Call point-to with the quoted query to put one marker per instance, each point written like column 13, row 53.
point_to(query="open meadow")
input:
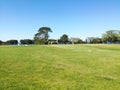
column 60, row 67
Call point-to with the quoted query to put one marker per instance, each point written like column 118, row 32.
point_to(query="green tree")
column 75, row 40
column 26, row 41
column 111, row 36
column 42, row 36
column 64, row 38
column 1, row 42
column 12, row 42
column 94, row 40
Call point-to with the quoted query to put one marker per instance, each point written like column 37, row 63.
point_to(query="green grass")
column 60, row 67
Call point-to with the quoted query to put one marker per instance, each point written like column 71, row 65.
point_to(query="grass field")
column 60, row 67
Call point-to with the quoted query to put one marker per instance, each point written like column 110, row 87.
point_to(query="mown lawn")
column 60, row 67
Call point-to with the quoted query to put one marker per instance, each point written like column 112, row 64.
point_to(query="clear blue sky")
column 20, row 19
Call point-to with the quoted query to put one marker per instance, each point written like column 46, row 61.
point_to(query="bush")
column 26, row 41
column 12, row 42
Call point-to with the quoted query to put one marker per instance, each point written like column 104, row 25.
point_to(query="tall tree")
column 64, row 38
column 111, row 36
column 42, row 35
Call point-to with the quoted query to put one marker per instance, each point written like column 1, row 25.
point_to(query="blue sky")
column 21, row 19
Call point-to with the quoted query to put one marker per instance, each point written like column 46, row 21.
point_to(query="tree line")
column 42, row 37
